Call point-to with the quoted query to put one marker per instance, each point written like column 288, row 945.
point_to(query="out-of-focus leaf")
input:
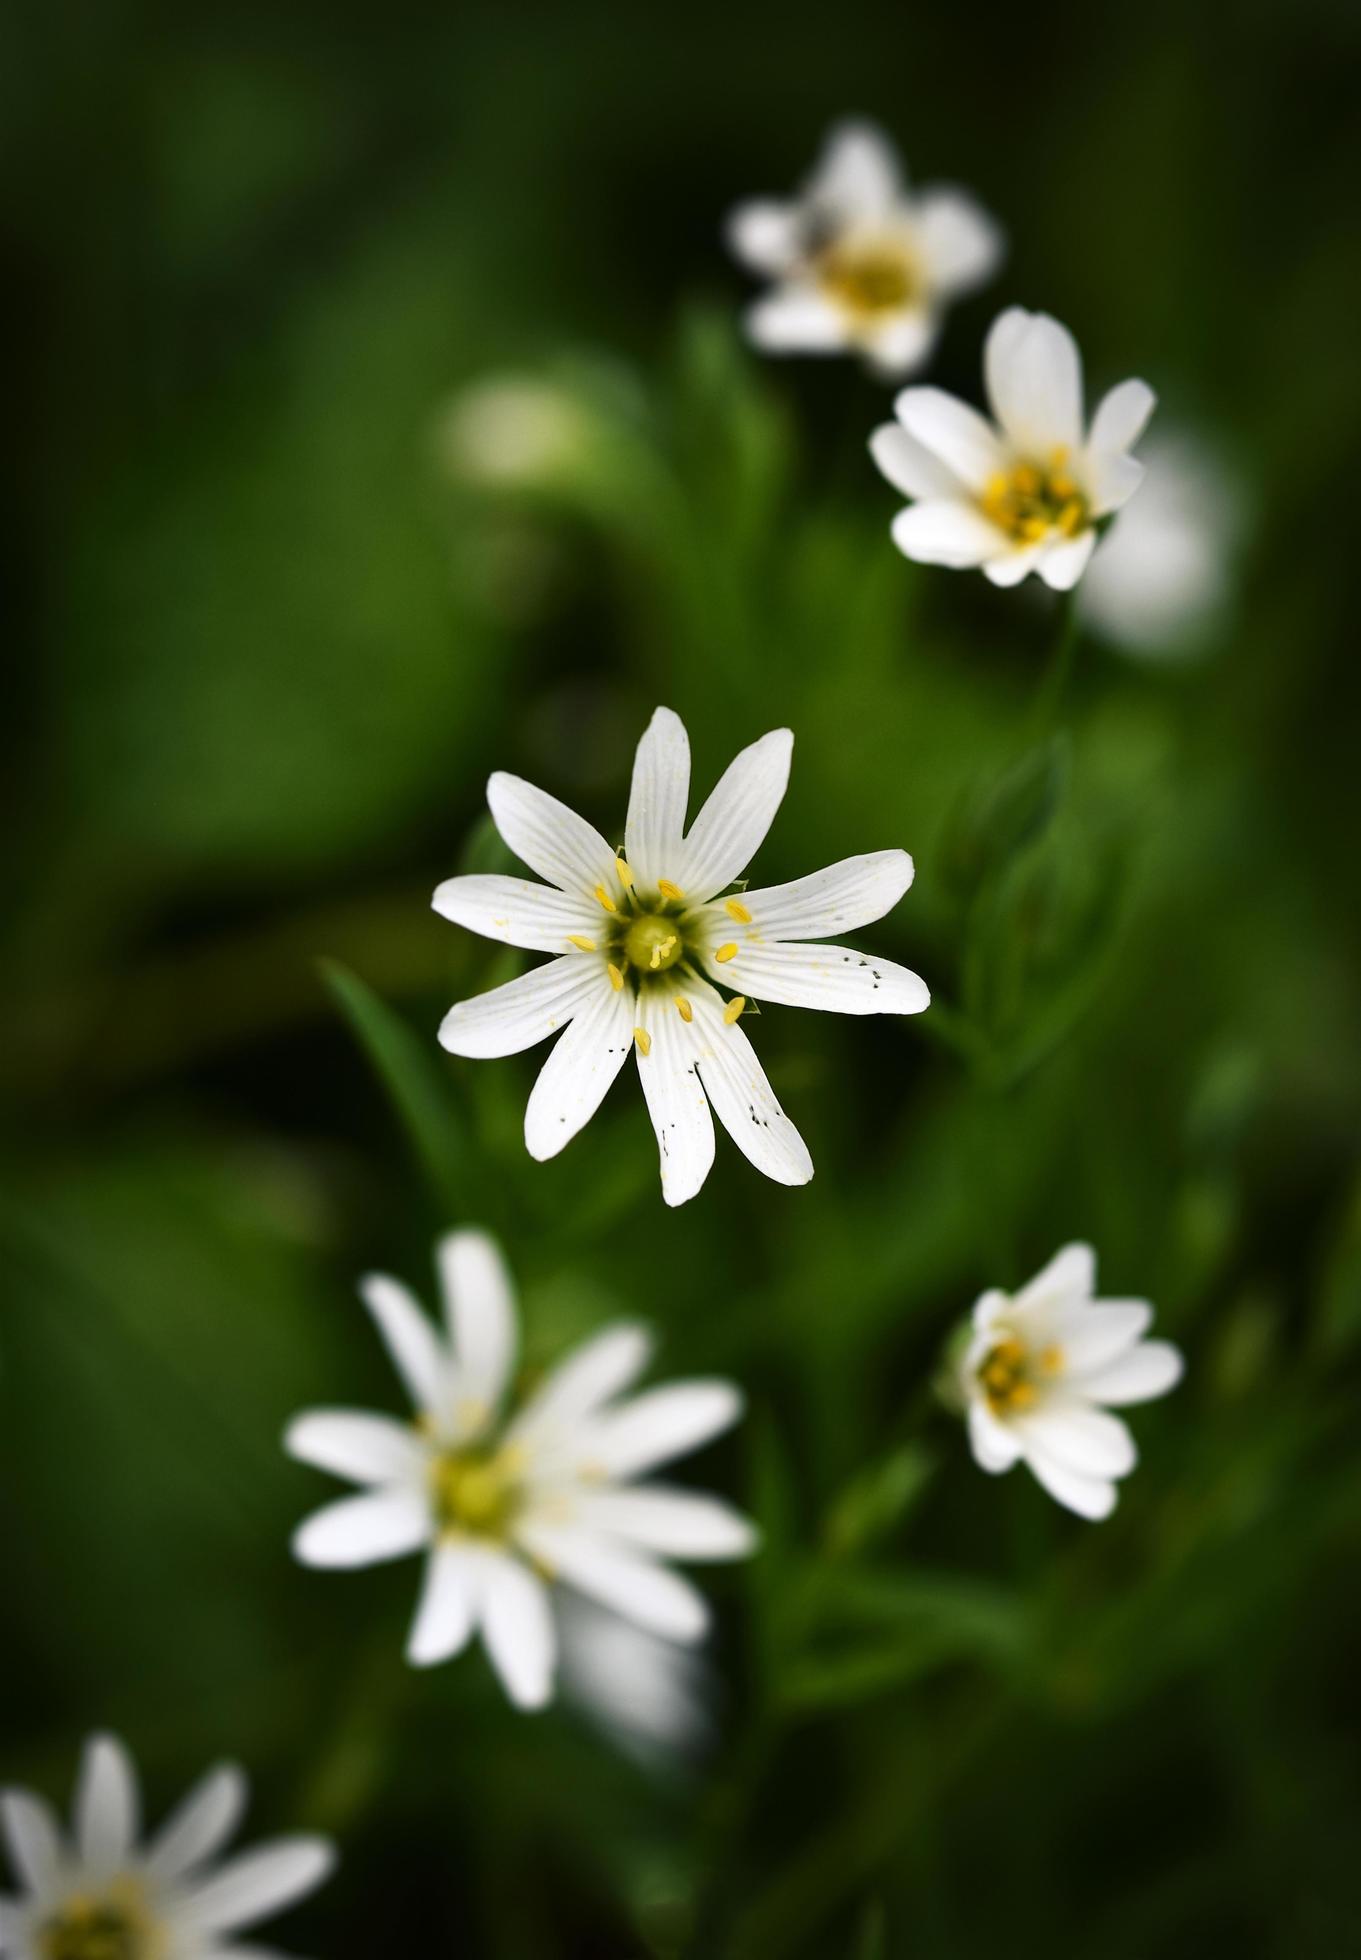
column 1337, row 1321
column 878, row 1500
column 996, row 820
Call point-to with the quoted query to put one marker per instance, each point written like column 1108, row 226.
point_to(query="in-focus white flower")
column 640, row 935
column 1041, row 1365
column 1161, row 578
column 647, row 1695
column 1026, row 492
column 102, row 1896
column 505, row 1502
column 858, row 260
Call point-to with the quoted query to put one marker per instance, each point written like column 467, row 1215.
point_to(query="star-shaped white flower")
column 101, row 1896
column 503, row 1503
column 1044, row 1367
column 639, row 939
column 1028, row 492
column 859, row 261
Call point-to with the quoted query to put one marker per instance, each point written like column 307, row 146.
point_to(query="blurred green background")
column 274, row 638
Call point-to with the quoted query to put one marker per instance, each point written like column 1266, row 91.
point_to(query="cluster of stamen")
column 868, row 277
column 1030, row 500
column 1008, row 1374
column 94, row 1929
column 477, row 1492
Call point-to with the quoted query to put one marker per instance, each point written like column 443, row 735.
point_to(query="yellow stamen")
column 660, row 952
column 604, row 899
column 1072, row 517
column 1026, row 479
column 1051, row 1359
column 734, row 1008
column 625, row 873
column 684, row 1009
column 616, row 977
column 725, row 953
column 644, row 1041
column 735, row 909
column 579, row 939
column 668, row 890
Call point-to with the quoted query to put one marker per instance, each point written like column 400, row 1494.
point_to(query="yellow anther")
column 604, row 899
column 1033, row 529
column 644, row 1041
column 1051, row 1359
column 684, row 1009
column 579, row 939
column 668, row 890
column 734, row 1008
column 616, row 977
column 1026, row 480
column 1072, row 517
column 1059, row 455
column 735, row 909
column 1062, row 487
column 728, row 952
column 625, row 873
column 998, row 485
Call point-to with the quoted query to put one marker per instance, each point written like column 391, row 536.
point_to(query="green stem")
column 1053, row 688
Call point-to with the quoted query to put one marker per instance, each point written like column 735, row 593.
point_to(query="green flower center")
column 94, row 1929
column 477, row 1492
column 653, row 943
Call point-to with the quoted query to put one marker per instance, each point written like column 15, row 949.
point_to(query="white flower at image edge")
column 860, row 262
column 1042, row 1371
column 100, row 1896
column 504, row 1502
column 1027, row 491
column 643, row 940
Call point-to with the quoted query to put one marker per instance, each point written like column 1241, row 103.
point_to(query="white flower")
column 1161, row 578
column 1038, row 1369
column 1028, row 494
column 636, row 934
column 860, row 262
column 647, row 1695
column 505, row 1503
column 101, row 1897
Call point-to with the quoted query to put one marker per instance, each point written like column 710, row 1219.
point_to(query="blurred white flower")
column 634, row 936
column 1024, row 495
column 1162, row 575
column 1039, row 1368
column 101, row 1897
column 514, row 431
column 646, row 1694
column 859, row 261
column 504, row 1503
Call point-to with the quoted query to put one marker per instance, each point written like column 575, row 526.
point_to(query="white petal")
column 370, row 1449
column 584, row 1061
column 961, row 243
column 954, row 433
column 674, row 1523
column 517, row 1625
column 1091, row 1336
column 35, row 1845
column 858, row 174
column 522, row 1012
column 632, row 1584
column 658, row 797
column 1122, row 416
column 448, row 1606
column 259, row 1883
column 909, row 467
column 675, row 1098
column 1070, row 1276
column 797, row 319
column 1014, row 564
column 479, row 1306
column 550, row 838
column 836, row 979
column 946, row 532
column 742, row 1098
column 602, row 1367
column 417, row 1352
column 660, row 1424
column 1090, row 1497
column 989, row 1308
column 1111, row 481
column 901, row 342
column 1034, row 380
column 842, row 898
column 107, row 1805
column 1151, row 1370
column 731, row 827
column 994, row 1447
column 764, row 234
column 364, row 1530
column 201, row 1825
column 1081, row 1438
column 518, row 913
column 1062, row 565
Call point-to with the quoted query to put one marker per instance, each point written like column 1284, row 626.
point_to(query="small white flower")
column 1038, row 1369
column 1025, row 495
column 639, row 936
column 101, row 1897
column 859, row 261
column 503, row 1503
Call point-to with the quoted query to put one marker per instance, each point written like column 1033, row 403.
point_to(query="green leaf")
column 878, row 1499
column 995, row 821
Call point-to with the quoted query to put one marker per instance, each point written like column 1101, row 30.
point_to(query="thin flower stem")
column 1052, row 691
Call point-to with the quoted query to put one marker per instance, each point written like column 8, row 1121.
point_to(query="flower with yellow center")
column 1042, row 1371
column 645, row 937
column 104, row 1897
column 507, row 1501
column 860, row 262
column 1028, row 491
